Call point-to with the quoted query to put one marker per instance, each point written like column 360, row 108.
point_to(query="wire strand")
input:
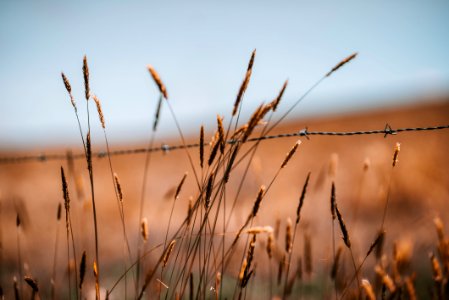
column 166, row 148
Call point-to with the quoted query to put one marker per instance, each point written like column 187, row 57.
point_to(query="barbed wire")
column 166, row 148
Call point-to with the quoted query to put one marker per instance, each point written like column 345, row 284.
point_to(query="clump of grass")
column 197, row 258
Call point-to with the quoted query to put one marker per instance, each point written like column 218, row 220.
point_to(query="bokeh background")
column 201, row 50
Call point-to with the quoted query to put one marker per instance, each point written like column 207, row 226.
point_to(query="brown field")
column 360, row 166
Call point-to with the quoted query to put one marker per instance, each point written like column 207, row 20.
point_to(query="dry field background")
column 217, row 223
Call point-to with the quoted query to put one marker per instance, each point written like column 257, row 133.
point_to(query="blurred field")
column 419, row 191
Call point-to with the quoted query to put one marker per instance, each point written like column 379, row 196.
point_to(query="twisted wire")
column 166, row 148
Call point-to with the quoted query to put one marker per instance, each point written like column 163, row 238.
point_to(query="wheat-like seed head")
column 342, row 63
column 439, row 228
column 369, row 292
column 301, row 199
column 144, row 229
column 69, row 89
column 119, row 187
column 290, row 153
column 99, row 110
column 221, row 134
column 259, row 229
column 86, row 78
column 244, row 84
column 258, row 200
column 168, row 252
column 158, row 81
column 270, row 245
column 65, row 191
column 288, row 236
column 436, row 269
column 274, row 104
column 181, row 183
column 397, row 148
column 343, row 228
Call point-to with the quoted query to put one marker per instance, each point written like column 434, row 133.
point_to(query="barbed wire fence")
column 388, row 130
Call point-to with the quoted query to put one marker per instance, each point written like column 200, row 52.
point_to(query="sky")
column 201, row 50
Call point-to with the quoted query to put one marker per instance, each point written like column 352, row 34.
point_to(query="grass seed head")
column 118, row 187
column 275, row 102
column 144, row 229
column 342, row 63
column 99, row 110
column 158, row 81
column 290, row 153
column 397, row 148
column 86, row 78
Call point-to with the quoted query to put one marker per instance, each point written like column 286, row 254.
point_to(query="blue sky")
column 201, row 49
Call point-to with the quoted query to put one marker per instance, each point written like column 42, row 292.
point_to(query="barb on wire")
column 166, row 148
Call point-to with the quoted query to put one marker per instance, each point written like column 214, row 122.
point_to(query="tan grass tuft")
column 258, row 200
column 274, row 104
column 439, row 228
column 181, row 183
column 343, row 228
column 342, row 63
column 65, row 191
column 168, row 253
column 259, row 229
column 290, row 153
column 301, row 199
column 244, row 84
column 369, row 292
column 270, row 245
column 144, row 229
column 221, row 134
column 119, row 187
column 158, row 81
column 246, row 274
column 99, row 110
column 69, row 90
column 86, row 78
column 97, row 281
column 288, row 236
column 397, row 148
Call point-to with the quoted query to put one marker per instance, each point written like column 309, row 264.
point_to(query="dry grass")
column 225, row 230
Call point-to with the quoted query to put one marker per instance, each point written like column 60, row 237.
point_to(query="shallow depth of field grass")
column 228, row 218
